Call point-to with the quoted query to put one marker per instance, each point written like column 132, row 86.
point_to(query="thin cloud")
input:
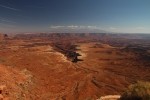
column 140, row 28
column 7, row 25
column 6, row 20
column 77, row 29
column 56, row 27
column 7, row 7
column 74, row 27
column 113, row 28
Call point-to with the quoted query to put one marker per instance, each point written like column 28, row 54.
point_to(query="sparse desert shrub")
column 138, row 91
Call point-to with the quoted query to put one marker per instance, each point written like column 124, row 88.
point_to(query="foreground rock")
column 110, row 97
column 13, row 83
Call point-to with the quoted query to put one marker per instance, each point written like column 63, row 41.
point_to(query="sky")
column 121, row 16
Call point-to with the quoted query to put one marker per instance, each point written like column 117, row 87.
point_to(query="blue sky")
column 129, row 16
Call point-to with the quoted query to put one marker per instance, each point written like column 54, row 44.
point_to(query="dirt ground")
column 48, row 75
